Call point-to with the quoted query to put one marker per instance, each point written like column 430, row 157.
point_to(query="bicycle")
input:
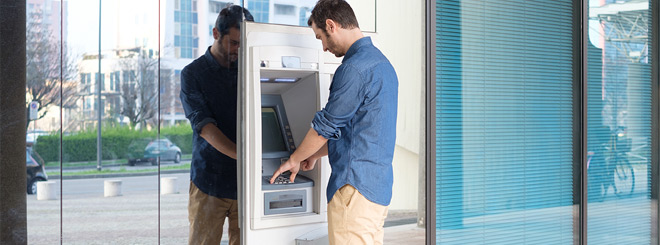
column 610, row 167
column 624, row 174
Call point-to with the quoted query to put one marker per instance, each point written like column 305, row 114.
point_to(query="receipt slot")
column 284, row 79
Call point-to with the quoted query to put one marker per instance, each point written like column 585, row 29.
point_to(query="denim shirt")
column 208, row 94
column 359, row 122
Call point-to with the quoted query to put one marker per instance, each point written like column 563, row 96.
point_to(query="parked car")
column 35, row 170
column 162, row 148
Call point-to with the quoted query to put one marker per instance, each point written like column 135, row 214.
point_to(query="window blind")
column 504, row 122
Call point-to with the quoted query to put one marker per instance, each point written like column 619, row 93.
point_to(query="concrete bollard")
column 112, row 188
column 168, row 185
column 46, row 190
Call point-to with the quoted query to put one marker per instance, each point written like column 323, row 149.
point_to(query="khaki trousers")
column 352, row 219
column 207, row 216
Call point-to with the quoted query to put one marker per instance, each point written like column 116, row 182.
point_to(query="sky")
column 83, row 16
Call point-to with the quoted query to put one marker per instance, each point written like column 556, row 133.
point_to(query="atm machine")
column 284, row 80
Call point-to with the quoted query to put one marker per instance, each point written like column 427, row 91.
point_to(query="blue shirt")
column 208, row 95
column 359, row 122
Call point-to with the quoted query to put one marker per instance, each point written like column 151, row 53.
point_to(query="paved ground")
column 89, row 218
column 133, row 218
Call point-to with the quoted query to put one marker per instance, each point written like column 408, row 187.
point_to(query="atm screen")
column 271, row 132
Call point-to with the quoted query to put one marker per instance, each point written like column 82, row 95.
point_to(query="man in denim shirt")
column 208, row 95
column 356, row 129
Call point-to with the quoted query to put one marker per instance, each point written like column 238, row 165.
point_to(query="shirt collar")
column 214, row 63
column 209, row 58
column 356, row 46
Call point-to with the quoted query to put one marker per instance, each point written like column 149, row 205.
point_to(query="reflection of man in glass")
column 356, row 129
column 208, row 95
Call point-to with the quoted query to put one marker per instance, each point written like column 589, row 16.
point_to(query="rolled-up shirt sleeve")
column 193, row 101
column 346, row 96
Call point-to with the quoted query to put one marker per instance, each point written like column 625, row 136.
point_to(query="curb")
column 84, row 167
column 94, row 176
column 53, row 168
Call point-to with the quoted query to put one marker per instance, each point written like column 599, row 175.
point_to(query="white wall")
column 365, row 11
column 401, row 28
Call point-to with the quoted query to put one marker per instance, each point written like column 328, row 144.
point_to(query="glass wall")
column 619, row 123
column 120, row 171
column 105, row 78
column 507, row 103
column 505, row 112
column 110, row 133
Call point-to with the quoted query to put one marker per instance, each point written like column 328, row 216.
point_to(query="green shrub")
column 180, row 135
column 117, row 143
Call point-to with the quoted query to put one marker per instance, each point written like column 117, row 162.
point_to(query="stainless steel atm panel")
column 284, row 80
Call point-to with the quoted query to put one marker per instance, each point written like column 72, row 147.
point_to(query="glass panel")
column 504, row 122
column 176, row 152
column 619, row 121
column 187, row 38
column 49, row 70
column 117, row 90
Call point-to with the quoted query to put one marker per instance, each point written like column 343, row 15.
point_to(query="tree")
column 50, row 69
column 139, row 91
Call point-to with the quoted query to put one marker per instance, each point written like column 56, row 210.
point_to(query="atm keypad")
column 279, row 180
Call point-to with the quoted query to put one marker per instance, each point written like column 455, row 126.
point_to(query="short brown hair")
column 337, row 10
column 231, row 17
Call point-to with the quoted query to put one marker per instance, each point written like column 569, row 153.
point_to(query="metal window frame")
column 655, row 114
column 580, row 63
column 430, row 122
